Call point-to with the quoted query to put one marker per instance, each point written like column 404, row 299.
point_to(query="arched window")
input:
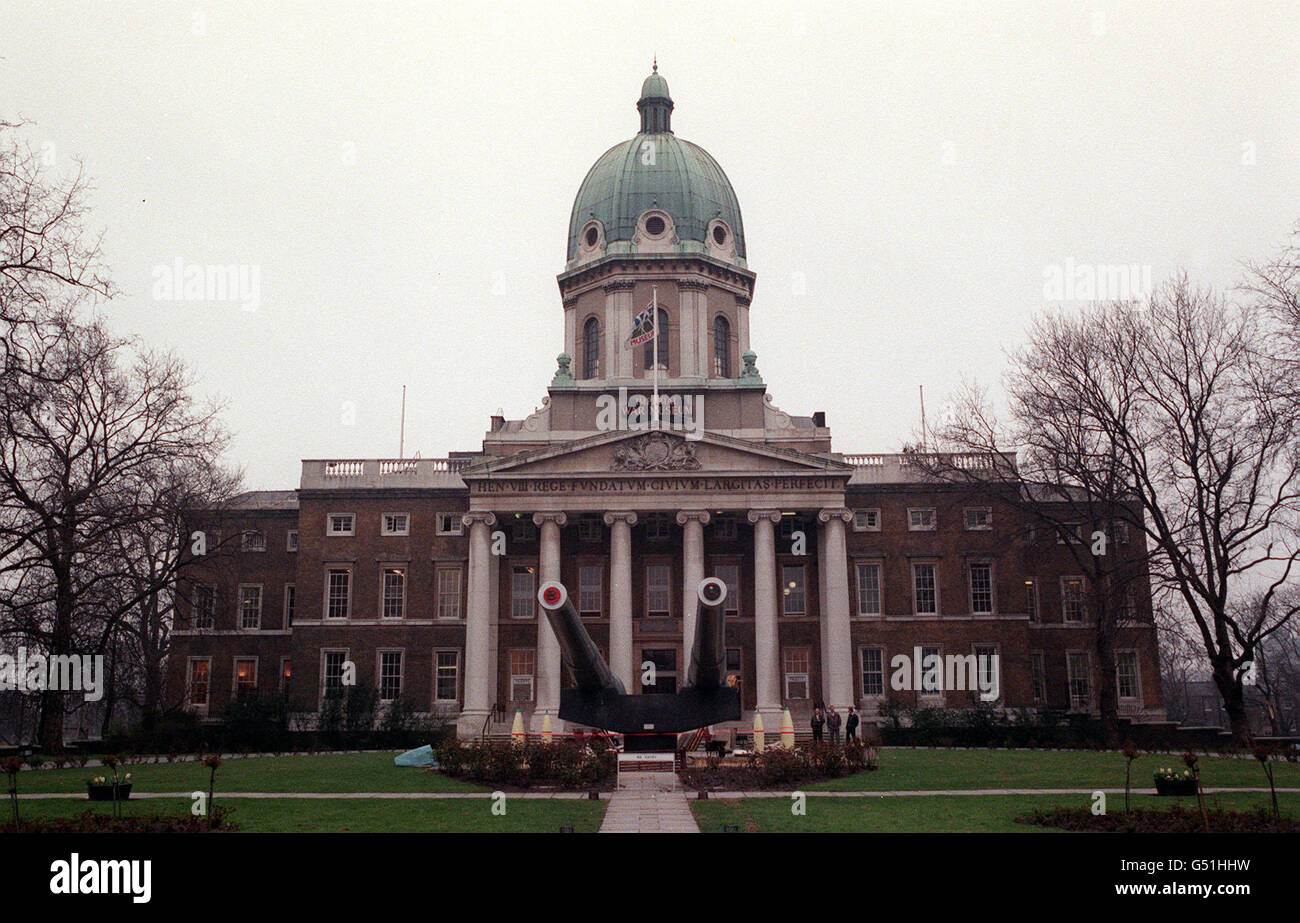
column 661, row 331
column 721, row 347
column 591, row 348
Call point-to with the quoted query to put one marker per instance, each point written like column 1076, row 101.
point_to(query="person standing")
column 833, row 722
column 851, row 725
column 818, row 722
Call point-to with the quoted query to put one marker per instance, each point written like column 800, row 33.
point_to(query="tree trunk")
column 1104, row 645
column 1234, row 700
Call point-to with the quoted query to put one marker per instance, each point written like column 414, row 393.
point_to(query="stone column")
column 478, row 625
column 766, row 644
column 838, row 647
column 618, row 325
column 692, row 523
column 548, row 646
column 620, row 597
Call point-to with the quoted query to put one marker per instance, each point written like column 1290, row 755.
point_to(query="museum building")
column 421, row 575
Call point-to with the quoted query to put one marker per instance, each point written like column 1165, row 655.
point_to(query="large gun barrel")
column 589, row 671
column 709, row 654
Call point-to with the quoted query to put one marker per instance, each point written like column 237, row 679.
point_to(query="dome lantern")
column 655, row 105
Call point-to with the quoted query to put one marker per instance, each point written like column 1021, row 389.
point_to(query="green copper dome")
column 656, row 170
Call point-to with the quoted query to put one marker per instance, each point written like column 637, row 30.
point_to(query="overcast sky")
column 400, row 178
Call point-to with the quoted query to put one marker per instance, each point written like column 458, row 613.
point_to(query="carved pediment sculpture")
column 656, row 452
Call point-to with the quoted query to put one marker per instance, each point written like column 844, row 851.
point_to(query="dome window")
column 719, row 234
column 593, row 236
column 654, row 226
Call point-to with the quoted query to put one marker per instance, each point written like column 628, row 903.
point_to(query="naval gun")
column 598, row 698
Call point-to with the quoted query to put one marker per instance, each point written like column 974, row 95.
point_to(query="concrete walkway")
column 648, row 802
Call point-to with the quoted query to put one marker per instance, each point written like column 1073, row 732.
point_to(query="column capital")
column 550, row 516
column 613, row 516
column 487, row 517
column 700, row 516
column 773, row 516
column 835, row 512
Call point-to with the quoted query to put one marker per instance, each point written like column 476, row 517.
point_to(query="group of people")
column 830, row 719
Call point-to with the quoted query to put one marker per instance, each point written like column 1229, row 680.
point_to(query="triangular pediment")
column 657, row 452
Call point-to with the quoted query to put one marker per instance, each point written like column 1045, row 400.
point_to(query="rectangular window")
column 245, row 676
column 1031, row 598
column 589, row 530
column 198, row 681
column 332, row 672
column 291, row 540
column 1072, row 607
column 793, row 590
column 920, row 519
column 734, row 662
column 724, row 529
column 340, row 524
column 395, row 524
column 979, row 518
column 522, row 665
column 394, row 593
column 873, row 671
column 989, row 668
column 1119, row 532
column 523, row 593
column 1073, row 531
column 590, row 586
column 794, row 660
column 1126, row 674
column 286, row 674
column 252, row 541
column 446, row 680
column 523, row 530
column 338, row 593
column 730, row 575
column 658, row 590
column 1077, row 669
column 925, row 589
column 658, row 528
column 665, row 670
column 205, row 605
column 390, row 675
column 250, row 607
column 931, row 672
column 981, row 588
column 868, row 589
column 290, row 603
column 450, row 524
column 866, row 520
column 1037, row 676
column 449, row 593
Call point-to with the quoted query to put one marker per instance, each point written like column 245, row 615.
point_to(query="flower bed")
column 1175, row 820
column 779, row 767
column 92, row 821
column 566, row 764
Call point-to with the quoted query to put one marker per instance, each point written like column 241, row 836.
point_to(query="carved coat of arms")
column 656, row 452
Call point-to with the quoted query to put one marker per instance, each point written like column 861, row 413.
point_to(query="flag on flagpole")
column 643, row 327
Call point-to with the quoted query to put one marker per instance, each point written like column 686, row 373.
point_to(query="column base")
column 470, row 723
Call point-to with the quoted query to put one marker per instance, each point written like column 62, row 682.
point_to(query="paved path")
column 649, row 802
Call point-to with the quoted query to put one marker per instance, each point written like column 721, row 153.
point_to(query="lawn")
column 922, row 770
column 932, row 813
column 371, row 815
column 345, row 772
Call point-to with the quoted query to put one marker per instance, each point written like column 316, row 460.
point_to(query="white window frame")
column 519, row 598
column 1136, row 697
column 455, row 652
column 211, row 616
column 261, row 602
column 440, row 573
column 913, row 525
column 985, row 526
column 1072, row 530
column 970, row 587
column 290, row 610
column 870, row 519
column 383, row 591
column 930, row 698
column 324, row 652
column 652, row 587
column 395, row 529
column 379, row 672
column 1033, row 601
column 1037, row 677
column 246, row 542
column 1070, row 678
column 859, row 589
column 787, row 592
column 916, row 596
column 325, row 611
column 996, row 650
column 453, row 526
column 862, row 673
column 730, row 605
column 189, row 684
column 584, row 610
column 285, row 660
column 351, row 524
column 234, row 673
column 291, row 540
column 515, row 678
column 1065, row 600
column 804, row 677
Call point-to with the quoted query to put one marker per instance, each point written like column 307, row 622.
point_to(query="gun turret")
column 589, row 671
column 709, row 654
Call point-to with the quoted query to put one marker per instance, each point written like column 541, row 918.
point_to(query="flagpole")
column 654, row 313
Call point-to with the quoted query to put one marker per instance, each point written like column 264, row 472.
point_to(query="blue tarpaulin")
column 420, row 756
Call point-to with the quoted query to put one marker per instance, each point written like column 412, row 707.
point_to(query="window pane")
column 792, row 590
column 981, row 588
column 448, row 667
column 250, row 606
column 658, row 578
column 390, row 675
column 394, row 593
column 449, row 592
column 589, row 589
column 869, row 589
column 924, row 589
column 522, row 594
column 730, row 575
column 873, row 671
column 339, row 591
